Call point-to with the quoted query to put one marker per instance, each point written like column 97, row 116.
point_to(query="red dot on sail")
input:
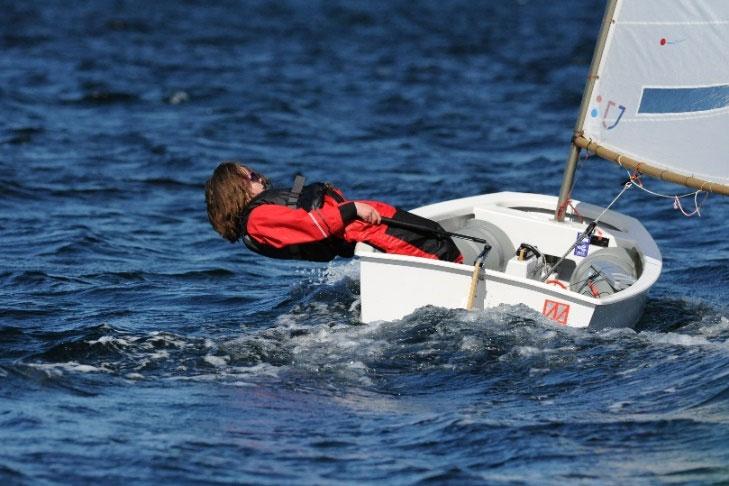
column 663, row 41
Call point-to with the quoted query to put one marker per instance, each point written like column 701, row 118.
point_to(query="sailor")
column 311, row 222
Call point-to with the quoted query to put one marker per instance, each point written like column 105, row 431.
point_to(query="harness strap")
column 292, row 202
column 296, row 190
column 332, row 193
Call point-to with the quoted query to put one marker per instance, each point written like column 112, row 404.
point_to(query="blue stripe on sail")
column 683, row 100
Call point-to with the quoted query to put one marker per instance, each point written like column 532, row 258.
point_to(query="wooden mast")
column 571, row 166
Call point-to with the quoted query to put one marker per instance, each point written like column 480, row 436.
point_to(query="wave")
column 431, row 350
column 166, row 182
column 314, row 336
column 102, row 97
column 21, row 136
column 127, row 25
column 671, row 314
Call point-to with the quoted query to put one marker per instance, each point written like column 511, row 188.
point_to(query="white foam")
column 57, row 369
column 370, row 402
column 286, row 321
column 686, row 340
column 142, row 363
column 242, row 384
column 161, row 354
column 178, row 97
column 261, row 369
column 168, row 338
column 202, row 377
column 528, row 351
column 217, row 361
column 470, row 343
column 357, row 365
column 618, row 406
column 355, row 306
column 232, row 372
column 720, row 328
column 680, row 339
column 630, row 371
column 110, row 340
column 616, row 333
column 337, row 272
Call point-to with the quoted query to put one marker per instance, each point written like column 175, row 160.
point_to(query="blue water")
column 137, row 345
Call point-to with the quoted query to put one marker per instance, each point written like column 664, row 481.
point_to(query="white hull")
column 393, row 286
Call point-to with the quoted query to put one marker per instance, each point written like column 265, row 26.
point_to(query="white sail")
column 662, row 89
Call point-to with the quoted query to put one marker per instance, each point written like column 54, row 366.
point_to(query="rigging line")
column 596, row 273
column 626, row 186
column 547, row 271
column 677, row 199
column 641, row 187
column 697, row 205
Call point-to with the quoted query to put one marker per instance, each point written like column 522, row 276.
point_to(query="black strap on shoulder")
column 296, row 190
column 332, row 192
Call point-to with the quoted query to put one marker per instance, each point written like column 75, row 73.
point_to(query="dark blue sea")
column 137, row 346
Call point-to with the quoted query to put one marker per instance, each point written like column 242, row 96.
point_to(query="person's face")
column 258, row 183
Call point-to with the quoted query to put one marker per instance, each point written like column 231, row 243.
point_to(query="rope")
column 633, row 180
column 697, row 205
column 626, row 186
column 675, row 197
column 547, row 271
column 575, row 211
column 634, row 177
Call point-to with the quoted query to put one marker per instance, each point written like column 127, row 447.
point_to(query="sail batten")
column 661, row 95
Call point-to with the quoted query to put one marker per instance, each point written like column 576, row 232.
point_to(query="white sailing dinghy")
column 657, row 103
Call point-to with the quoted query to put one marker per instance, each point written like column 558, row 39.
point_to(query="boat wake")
column 500, row 385
column 318, row 344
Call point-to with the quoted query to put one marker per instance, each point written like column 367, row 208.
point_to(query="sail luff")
column 648, row 169
column 571, row 164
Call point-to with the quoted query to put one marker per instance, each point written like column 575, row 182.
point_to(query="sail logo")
column 557, row 311
column 611, row 111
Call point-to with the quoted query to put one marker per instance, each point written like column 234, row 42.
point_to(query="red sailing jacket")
column 278, row 226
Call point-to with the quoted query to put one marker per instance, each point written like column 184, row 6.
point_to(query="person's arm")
column 365, row 212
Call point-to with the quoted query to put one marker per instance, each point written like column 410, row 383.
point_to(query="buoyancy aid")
column 307, row 197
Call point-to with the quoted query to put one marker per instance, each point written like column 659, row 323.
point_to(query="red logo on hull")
column 557, row 311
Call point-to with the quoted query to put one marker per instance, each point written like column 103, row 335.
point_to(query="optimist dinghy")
column 658, row 85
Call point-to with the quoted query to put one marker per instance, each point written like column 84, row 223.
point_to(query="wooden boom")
column 647, row 169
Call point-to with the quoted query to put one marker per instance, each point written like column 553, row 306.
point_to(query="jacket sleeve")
column 279, row 226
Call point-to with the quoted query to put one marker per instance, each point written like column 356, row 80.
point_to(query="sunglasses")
column 255, row 177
